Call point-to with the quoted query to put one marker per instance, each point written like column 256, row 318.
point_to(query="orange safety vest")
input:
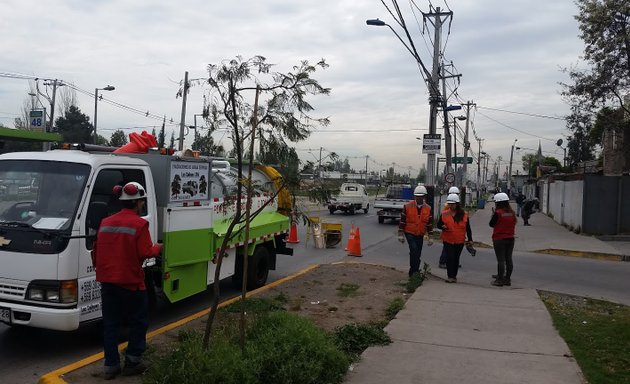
column 456, row 232
column 445, row 210
column 416, row 222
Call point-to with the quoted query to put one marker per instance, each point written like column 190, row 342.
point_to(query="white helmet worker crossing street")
column 415, row 223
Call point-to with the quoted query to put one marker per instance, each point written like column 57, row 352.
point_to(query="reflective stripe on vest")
column 125, row 230
column 416, row 221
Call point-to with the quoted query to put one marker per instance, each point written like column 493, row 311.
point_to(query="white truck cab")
column 352, row 197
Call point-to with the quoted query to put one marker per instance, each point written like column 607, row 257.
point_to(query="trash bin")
column 481, row 204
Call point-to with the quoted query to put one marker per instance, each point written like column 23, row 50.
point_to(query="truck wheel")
column 381, row 219
column 351, row 210
column 366, row 209
column 332, row 211
column 258, row 268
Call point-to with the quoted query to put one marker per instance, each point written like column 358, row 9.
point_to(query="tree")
column 118, row 139
column 530, row 163
column 76, row 127
column 280, row 106
column 66, row 98
column 172, row 141
column 605, row 29
column 161, row 139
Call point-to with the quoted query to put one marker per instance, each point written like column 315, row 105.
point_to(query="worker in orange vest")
column 455, row 227
column 442, row 263
column 415, row 223
column 504, row 222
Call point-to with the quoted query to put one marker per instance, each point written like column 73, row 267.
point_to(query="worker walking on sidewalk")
column 504, row 223
column 415, row 223
column 442, row 262
column 122, row 244
column 455, row 227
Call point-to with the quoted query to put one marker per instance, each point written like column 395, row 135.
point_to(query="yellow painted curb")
column 54, row 377
column 590, row 255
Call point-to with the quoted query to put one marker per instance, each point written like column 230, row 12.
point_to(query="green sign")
column 460, row 160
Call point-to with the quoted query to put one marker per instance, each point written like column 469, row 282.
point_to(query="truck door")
column 102, row 203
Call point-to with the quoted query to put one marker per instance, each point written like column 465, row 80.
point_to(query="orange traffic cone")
column 350, row 237
column 293, row 236
column 354, row 244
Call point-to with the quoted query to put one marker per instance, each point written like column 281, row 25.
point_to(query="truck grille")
column 11, row 291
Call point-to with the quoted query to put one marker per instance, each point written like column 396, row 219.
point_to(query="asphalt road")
column 26, row 354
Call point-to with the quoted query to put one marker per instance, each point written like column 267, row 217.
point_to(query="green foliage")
column 289, row 349
column 417, row 279
column 281, row 348
column 353, row 339
column 347, row 289
column 75, row 127
column 598, row 334
column 394, row 307
column 187, row 362
column 118, row 139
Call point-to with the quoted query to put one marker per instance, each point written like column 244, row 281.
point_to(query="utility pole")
column 366, row 161
column 435, row 98
column 479, row 169
column 447, row 134
column 319, row 166
column 466, row 142
column 183, row 117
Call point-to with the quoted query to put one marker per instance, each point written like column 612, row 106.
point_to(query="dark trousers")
column 503, row 250
column 415, row 251
column 119, row 304
column 453, row 252
column 443, row 255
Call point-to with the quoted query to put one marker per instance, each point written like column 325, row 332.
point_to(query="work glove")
column 401, row 237
column 470, row 248
column 429, row 239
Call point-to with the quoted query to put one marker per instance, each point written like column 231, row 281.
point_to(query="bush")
column 290, row 349
column 355, row 338
column 281, row 348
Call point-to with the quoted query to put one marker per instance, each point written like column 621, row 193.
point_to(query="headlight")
column 53, row 291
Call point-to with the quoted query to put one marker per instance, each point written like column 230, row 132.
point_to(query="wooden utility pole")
column 182, row 122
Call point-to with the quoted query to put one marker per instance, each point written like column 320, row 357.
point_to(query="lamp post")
column 432, row 79
column 509, row 183
column 108, row 88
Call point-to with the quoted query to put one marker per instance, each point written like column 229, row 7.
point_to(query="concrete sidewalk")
column 545, row 236
column 463, row 333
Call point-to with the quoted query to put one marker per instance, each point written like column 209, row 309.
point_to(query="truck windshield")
column 40, row 194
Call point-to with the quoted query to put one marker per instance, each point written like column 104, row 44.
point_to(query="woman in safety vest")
column 442, row 263
column 503, row 221
column 455, row 228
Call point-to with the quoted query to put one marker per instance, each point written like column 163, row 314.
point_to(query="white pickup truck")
column 391, row 205
column 352, row 197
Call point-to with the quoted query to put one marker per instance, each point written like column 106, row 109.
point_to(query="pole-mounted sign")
column 431, row 143
column 37, row 120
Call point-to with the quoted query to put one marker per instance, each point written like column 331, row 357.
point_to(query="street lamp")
column 509, row 184
column 434, row 98
column 564, row 159
column 108, row 88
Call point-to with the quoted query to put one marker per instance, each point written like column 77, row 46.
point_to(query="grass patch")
column 394, row 307
column 417, row 279
column 347, row 289
column 598, row 334
column 355, row 338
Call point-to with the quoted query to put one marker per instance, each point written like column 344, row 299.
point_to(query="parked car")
column 352, row 197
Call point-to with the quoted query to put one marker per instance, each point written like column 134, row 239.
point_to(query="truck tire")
column 381, row 219
column 366, row 209
column 331, row 210
column 258, row 268
column 351, row 210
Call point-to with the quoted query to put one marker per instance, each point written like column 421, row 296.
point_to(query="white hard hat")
column 452, row 198
column 131, row 191
column 420, row 190
column 501, row 197
column 453, row 190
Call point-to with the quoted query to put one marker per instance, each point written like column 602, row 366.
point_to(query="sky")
column 509, row 55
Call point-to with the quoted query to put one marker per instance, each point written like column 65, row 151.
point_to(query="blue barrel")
column 407, row 193
column 481, row 204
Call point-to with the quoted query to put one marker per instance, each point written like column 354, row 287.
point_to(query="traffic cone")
column 293, row 236
column 350, row 237
column 354, row 243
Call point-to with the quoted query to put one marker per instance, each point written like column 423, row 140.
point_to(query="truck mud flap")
column 281, row 245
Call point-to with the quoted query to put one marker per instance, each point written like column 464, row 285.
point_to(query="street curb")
column 54, row 377
column 588, row 255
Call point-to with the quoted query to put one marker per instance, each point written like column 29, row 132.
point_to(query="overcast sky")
column 509, row 54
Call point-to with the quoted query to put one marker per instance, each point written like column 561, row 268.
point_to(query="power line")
column 514, row 129
column 524, row 113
